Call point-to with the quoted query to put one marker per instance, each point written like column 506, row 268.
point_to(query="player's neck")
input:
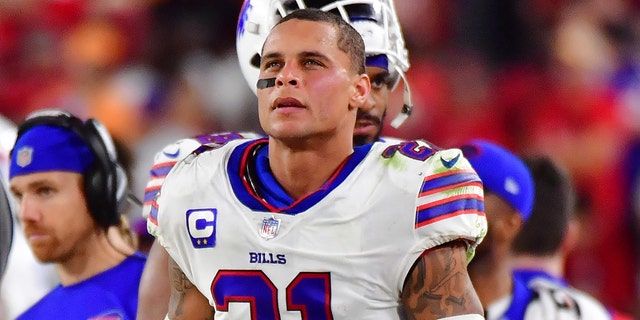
column 301, row 171
column 491, row 278
column 552, row 265
column 493, row 286
column 93, row 257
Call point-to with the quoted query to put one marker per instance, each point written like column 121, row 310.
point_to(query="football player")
column 387, row 61
column 302, row 224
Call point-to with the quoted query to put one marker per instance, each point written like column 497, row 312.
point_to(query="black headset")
column 105, row 181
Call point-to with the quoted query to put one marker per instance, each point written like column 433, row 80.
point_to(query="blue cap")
column 49, row 148
column 502, row 173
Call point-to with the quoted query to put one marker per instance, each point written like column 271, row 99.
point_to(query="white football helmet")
column 375, row 20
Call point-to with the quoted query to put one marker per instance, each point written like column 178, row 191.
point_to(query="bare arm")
column 153, row 297
column 438, row 285
column 186, row 302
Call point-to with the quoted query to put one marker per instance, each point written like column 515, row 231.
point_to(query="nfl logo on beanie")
column 49, row 148
column 25, row 155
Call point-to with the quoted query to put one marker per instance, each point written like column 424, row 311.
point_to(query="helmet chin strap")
column 407, row 106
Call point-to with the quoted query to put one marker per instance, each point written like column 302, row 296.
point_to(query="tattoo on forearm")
column 186, row 302
column 180, row 285
column 439, row 286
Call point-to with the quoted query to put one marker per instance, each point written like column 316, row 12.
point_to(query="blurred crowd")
column 554, row 77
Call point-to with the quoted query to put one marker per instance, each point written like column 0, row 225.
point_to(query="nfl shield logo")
column 270, row 228
column 25, row 155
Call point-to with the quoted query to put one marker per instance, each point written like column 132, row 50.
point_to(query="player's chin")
column 288, row 131
column 43, row 254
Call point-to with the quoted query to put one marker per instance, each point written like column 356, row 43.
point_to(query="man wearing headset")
column 70, row 190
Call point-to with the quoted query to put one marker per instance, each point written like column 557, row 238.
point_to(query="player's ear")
column 362, row 88
column 571, row 237
column 513, row 224
column 507, row 226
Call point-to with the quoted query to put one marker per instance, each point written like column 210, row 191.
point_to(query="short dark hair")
column 553, row 208
column 349, row 40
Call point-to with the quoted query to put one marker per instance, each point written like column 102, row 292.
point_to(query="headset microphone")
column 133, row 199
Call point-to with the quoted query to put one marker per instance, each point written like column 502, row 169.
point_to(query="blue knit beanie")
column 49, row 148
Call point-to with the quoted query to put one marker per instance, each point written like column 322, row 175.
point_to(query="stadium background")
column 558, row 77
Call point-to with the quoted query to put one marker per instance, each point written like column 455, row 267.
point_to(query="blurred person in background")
column 70, row 190
column 7, row 131
column 540, row 249
column 7, row 134
column 518, row 269
column 23, row 272
column 6, row 228
column 387, row 60
column 509, row 195
column 541, row 77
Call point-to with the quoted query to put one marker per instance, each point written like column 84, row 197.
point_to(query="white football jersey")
column 539, row 296
column 342, row 252
column 553, row 301
column 164, row 160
